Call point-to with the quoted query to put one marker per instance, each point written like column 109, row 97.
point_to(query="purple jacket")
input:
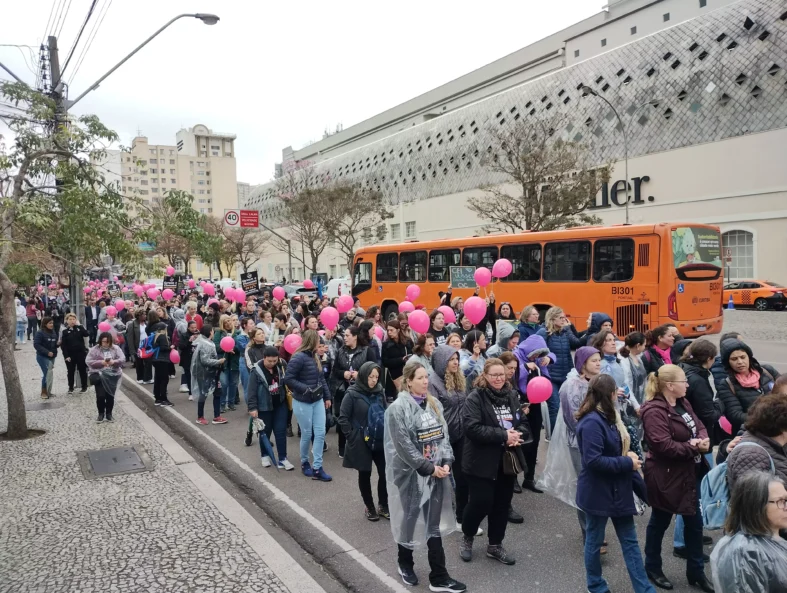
column 533, row 345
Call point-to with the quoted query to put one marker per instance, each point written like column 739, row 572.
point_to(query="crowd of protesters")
column 445, row 419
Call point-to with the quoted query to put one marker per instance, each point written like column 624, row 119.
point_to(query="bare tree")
column 553, row 180
column 245, row 245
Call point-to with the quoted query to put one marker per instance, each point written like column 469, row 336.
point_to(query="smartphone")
column 626, row 390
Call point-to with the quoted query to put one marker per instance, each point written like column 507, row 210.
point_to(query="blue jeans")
column 311, row 417
column 276, row 423
column 244, row 379
column 678, row 541
column 47, row 366
column 229, row 387
column 627, row 536
column 20, row 331
column 553, row 403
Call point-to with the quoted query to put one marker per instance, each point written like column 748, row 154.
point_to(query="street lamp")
column 208, row 19
column 586, row 90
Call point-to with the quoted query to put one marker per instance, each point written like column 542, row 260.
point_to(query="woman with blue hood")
column 534, row 357
column 596, row 322
column 361, row 448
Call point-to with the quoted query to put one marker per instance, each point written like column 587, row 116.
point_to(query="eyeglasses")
column 684, row 381
column 497, row 376
column 781, row 504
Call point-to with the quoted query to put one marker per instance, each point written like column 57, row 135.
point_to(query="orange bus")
column 641, row 275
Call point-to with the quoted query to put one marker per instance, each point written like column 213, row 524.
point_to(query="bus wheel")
column 388, row 309
column 761, row 305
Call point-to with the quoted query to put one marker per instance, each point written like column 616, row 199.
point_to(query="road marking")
column 283, row 565
column 279, row 494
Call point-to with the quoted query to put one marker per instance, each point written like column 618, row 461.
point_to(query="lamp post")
column 586, row 90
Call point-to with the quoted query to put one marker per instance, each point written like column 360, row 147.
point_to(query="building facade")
column 698, row 86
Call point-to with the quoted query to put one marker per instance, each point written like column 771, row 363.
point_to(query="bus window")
column 412, row 266
column 440, row 262
column 526, row 260
column 387, row 267
column 479, row 257
column 567, row 262
column 363, row 278
column 613, row 260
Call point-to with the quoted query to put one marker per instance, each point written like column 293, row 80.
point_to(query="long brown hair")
column 401, row 338
column 455, row 381
column 598, row 398
column 310, row 340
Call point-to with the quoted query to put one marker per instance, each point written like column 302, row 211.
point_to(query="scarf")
column 418, row 398
column 750, row 380
column 625, row 438
column 665, row 354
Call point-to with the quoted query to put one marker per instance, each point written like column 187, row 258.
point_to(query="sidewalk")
column 171, row 529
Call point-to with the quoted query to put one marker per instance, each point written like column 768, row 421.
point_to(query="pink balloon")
column 53, row 286
column 227, row 344
column 202, row 283
column 308, row 284
column 344, row 303
column 120, row 305
column 115, row 278
column 725, row 424
column 502, row 268
column 406, row 307
column 138, row 290
column 412, row 292
column 292, row 343
column 278, row 293
column 174, row 357
column 419, row 321
column 111, row 311
column 482, row 276
column 539, row 390
column 40, row 288
column 475, row 307
column 378, row 331
column 211, row 301
column 192, row 283
column 329, row 317
column 104, row 326
column 167, row 294
column 170, row 271
column 209, row 289
column 153, row 293
column 87, row 289
column 448, row 314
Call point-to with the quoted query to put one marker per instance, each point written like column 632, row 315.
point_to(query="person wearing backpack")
column 362, row 422
column 674, row 466
column 746, row 381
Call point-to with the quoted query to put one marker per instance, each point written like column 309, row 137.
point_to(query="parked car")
column 299, row 290
column 337, row 287
column 760, row 294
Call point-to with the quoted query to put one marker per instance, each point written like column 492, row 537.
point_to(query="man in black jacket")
column 92, row 311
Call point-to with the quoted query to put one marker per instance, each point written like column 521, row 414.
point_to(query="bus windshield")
column 696, row 247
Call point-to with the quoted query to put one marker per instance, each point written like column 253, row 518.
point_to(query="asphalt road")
column 548, row 546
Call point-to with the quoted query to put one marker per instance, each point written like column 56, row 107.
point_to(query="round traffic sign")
column 232, row 217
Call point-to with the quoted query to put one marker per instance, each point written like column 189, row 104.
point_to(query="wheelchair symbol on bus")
column 681, row 288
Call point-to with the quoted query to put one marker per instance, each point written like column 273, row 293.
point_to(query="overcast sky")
column 274, row 73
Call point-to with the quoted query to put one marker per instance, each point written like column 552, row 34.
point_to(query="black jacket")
column 393, row 356
column 700, row 396
column 258, row 390
column 346, row 359
column 484, row 438
column 72, row 341
column 354, row 416
column 163, row 344
column 652, row 360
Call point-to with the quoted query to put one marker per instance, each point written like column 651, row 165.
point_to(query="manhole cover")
column 102, row 463
column 45, row 405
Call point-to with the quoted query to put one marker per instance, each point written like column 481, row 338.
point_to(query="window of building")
column 154, row 171
column 741, row 247
column 440, row 262
column 576, row 53
column 201, row 192
column 332, row 271
column 201, row 200
column 208, row 191
column 633, row 30
column 567, row 261
column 154, row 161
column 603, row 43
column 203, row 153
column 154, row 190
column 171, row 161
column 387, row 267
column 412, row 266
column 144, row 182
column 666, row 17
column 526, row 262
column 212, row 147
column 172, row 171
column 172, row 181
column 152, row 151
column 479, row 257
column 215, row 153
column 144, row 192
column 200, row 172
column 201, row 182
column 202, row 210
column 396, row 232
column 210, row 210
column 154, row 180
column 613, row 260
column 409, row 230
column 171, row 152
column 209, row 200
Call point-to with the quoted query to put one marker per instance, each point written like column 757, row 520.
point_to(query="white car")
column 337, row 287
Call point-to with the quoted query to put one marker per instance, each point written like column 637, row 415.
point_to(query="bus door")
column 698, row 283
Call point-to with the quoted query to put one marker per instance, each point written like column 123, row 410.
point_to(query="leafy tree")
column 245, row 246
column 178, row 227
column 211, row 247
column 21, row 274
column 549, row 182
column 77, row 219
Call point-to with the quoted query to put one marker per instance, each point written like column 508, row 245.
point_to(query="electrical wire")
column 24, row 57
column 91, row 36
column 49, row 20
column 58, row 16
column 63, row 22
column 76, row 41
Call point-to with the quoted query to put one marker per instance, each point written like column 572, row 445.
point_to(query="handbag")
column 511, row 465
column 94, row 378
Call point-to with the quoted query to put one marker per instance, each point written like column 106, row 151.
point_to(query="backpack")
column 715, row 492
column 375, row 424
column 148, row 350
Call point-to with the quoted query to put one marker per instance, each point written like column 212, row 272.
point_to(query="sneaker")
column 466, row 548
column 707, row 540
column 478, row 533
column 172, row 376
column 191, row 398
column 319, row 474
column 231, row 408
column 219, row 420
column 286, row 465
column 70, row 390
column 371, row 513
column 514, row 517
column 341, row 452
column 167, row 404
column 100, row 418
column 202, row 421
column 499, row 553
column 140, row 381
column 408, row 576
column 183, row 388
column 307, row 470
column 109, row 418
column 383, row 511
column 448, row 584
column 148, row 382
column 83, row 390
column 158, row 403
column 266, row 461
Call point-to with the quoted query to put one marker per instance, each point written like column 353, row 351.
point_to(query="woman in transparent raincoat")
column 105, row 365
column 418, row 460
column 205, row 365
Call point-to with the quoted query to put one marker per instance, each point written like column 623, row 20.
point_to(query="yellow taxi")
column 760, row 294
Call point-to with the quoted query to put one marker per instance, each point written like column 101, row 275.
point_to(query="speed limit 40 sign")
column 242, row 218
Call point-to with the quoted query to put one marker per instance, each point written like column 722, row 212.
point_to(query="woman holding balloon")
column 230, row 372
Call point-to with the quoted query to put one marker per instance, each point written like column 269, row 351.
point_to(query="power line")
column 49, row 20
column 76, row 41
column 56, row 20
column 91, row 36
column 65, row 16
column 24, row 57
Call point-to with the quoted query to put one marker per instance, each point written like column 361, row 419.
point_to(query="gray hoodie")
column 453, row 401
column 505, row 331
